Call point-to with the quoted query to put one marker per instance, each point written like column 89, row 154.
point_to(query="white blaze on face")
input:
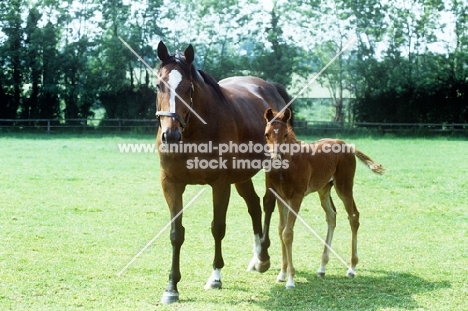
column 174, row 79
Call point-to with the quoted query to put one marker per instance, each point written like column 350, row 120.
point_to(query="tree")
column 11, row 54
column 276, row 63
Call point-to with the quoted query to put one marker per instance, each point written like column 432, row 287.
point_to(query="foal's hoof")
column 321, row 274
column 216, row 284
column 350, row 273
column 170, row 297
column 290, row 284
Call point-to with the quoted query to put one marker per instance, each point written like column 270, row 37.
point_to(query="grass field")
column 74, row 212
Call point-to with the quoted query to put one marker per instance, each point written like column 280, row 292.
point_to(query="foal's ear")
column 162, row 51
column 189, row 54
column 268, row 115
column 286, row 115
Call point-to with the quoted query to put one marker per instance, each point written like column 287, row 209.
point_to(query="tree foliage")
column 64, row 59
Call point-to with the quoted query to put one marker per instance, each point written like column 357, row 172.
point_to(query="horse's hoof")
column 260, row 266
column 213, row 284
column 290, row 286
column 170, row 297
column 321, row 274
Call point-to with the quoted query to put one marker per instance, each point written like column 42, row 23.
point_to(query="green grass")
column 74, row 211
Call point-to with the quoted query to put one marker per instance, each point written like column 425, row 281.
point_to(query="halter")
column 279, row 121
column 175, row 115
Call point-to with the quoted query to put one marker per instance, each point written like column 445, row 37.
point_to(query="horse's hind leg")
column 261, row 259
column 345, row 192
column 330, row 211
column 353, row 216
column 221, row 194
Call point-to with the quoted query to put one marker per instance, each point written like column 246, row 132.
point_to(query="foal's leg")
column 283, row 215
column 345, row 193
column 330, row 211
column 288, row 237
column 173, row 194
column 221, row 194
column 269, row 202
column 261, row 259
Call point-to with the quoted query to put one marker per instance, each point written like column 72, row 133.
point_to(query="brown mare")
column 332, row 164
column 233, row 110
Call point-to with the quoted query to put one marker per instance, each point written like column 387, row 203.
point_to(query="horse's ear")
column 268, row 115
column 286, row 115
column 162, row 51
column 189, row 54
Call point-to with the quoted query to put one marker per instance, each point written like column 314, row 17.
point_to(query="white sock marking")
column 257, row 247
column 215, row 275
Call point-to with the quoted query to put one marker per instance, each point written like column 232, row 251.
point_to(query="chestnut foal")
column 305, row 168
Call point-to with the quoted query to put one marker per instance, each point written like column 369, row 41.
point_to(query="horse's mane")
column 207, row 79
column 212, row 82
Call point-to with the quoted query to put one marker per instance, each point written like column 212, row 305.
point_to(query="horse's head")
column 175, row 90
column 277, row 131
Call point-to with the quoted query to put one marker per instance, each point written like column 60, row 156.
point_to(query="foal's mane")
column 192, row 72
column 291, row 133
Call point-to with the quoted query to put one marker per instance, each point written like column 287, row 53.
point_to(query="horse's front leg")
column 221, row 194
column 261, row 259
column 173, row 194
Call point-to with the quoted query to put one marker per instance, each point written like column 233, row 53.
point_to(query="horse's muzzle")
column 171, row 136
column 275, row 153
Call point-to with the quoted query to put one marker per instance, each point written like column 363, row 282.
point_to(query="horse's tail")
column 375, row 167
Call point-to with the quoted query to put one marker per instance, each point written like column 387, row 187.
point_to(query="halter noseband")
column 175, row 115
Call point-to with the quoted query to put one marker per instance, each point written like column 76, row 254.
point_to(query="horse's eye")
column 158, row 86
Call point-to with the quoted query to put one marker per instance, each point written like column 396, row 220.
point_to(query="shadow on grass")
column 377, row 291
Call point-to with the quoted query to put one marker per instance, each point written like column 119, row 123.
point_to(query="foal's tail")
column 375, row 167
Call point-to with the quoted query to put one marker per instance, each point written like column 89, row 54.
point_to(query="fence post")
column 48, row 126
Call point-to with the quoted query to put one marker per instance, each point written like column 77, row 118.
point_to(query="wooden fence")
column 73, row 125
column 150, row 126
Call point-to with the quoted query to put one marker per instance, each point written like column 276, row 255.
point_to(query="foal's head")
column 278, row 131
column 174, row 92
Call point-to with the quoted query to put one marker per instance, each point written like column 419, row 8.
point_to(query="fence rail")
column 142, row 125
column 382, row 127
column 51, row 125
